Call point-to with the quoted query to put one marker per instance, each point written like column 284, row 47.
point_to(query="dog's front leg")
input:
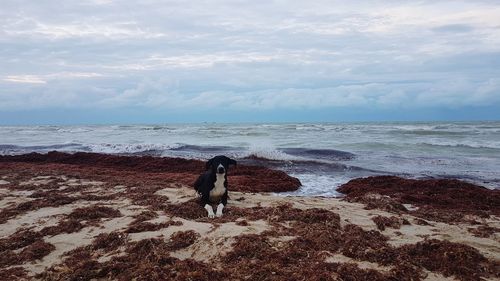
column 220, row 207
column 222, row 204
column 210, row 210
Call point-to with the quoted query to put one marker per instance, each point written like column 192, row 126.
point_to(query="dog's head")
column 219, row 164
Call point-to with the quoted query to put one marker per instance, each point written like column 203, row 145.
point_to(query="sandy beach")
column 98, row 217
column 351, row 140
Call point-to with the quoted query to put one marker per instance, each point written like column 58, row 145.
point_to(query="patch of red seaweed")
column 182, row 239
column 145, row 216
column 365, row 245
column 19, row 239
column 145, row 196
column 484, row 231
column 190, row 210
column 13, row 273
column 64, row 226
column 156, row 169
column 438, row 199
column 109, row 241
column 392, row 222
column 34, row 251
column 94, row 212
column 461, row 261
column 149, row 226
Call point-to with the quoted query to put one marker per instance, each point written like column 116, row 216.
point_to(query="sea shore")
column 87, row 216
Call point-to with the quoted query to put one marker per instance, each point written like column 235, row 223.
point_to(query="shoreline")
column 66, row 217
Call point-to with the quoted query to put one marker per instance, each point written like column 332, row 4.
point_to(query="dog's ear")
column 209, row 164
column 232, row 162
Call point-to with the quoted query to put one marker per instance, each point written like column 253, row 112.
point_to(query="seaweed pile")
column 446, row 200
column 151, row 169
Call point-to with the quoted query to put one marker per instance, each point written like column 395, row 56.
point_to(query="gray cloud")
column 248, row 54
column 454, row 28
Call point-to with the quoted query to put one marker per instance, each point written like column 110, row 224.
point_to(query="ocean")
column 322, row 155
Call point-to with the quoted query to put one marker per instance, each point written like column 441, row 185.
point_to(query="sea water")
column 322, row 155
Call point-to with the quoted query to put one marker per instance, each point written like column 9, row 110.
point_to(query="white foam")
column 130, row 148
column 269, row 152
column 317, row 185
column 463, row 144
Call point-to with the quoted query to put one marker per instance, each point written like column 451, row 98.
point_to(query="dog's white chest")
column 218, row 189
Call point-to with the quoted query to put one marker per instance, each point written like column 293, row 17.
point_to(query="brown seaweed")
column 13, row 273
column 34, row 251
column 147, row 170
column 462, row 261
column 143, row 226
column 19, row 239
column 94, row 212
column 64, row 226
column 484, row 231
column 182, row 239
column 446, row 200
column 109, row 241
column 392, row 222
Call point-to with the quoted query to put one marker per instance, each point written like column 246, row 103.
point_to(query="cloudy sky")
column 121, row 61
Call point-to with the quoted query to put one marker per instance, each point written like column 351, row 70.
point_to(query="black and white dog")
column 212, row 185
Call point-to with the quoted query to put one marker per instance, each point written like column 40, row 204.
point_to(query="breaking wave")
column 321, row 155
